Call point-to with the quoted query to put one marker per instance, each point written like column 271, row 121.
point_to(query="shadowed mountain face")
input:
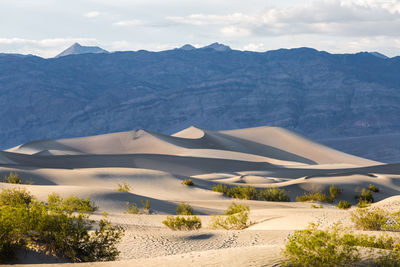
column 317, row 94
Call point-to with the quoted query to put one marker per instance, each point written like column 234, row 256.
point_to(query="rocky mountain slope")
column 314, row 93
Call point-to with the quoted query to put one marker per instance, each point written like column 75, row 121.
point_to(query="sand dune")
column 154, row 166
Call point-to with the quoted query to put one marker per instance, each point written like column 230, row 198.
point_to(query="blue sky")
column 46, row 27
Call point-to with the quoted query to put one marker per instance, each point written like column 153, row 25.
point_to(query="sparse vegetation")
column 344, row 205
column 317, row 206
column 251, row 193
column 338, row 246
column 365, row 195
column 373, row 188
column 146, row 206
column 274, row 194
column 237, row 216
column 363, row 204
column 182, row 223
column 123, row 187
column 317, row 196
column 376, row 220
column 60, row 227
column 188, row 182
column 131, row 208
column 334, row 191
column 13, row 178
column 184, row 209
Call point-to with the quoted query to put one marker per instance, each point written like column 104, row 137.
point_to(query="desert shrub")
column 188, row 182
column 363, row 204
column 184, row 209
column 123, row 187
column 15, row 196
column 60, row 228
column 131, row 208
column 237, row 216
column 274, row 194
column 315, row 247
column 338, row 246
column 13, row 178
column 334, row 191
column 317, row 206
column 365, row 195
column 373, row 188
column 374, row 220
column 343, row 204
column 71, row 204
column 182, row 223
column 243, row 192
column 224, row 189
column 316, row 196
column 146, row 206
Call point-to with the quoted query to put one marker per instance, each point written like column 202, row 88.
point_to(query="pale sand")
column 154, row 165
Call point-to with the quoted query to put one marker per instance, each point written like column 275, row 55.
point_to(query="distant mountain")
column 317, row 94
column 187, row 47
column 77, row 49
column 218, row 47
column 377, row 54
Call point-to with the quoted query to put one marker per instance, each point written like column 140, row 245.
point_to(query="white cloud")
column 234, row 31
column 92, row 14
column 254, row 47
column 134, row 22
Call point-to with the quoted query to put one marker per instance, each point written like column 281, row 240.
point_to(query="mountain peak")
column 77, row 49
column 218, row 47
column 377, row 54
column 187, row 47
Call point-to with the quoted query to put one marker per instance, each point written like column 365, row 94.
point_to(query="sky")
column 46, row 27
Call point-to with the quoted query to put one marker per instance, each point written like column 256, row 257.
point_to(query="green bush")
column 237, row 216
column 131, row 208
column 373, row 188
column 317, row 207
column 325, row 248
column 146, row 206
column 184, row 209
column 60, row 227
column 251, row 193
column 366, row 195
column 13, row 178
column 274, row 194
column 374, row 220
column 123, row 187
column 220, row 188
column 344, row 205
column 182, row 223
column 317, row 196
column 338, row 246
column 363, row 204
column 188, row 182
column 334, row 191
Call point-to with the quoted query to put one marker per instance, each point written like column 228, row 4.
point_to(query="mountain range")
column 332, row 98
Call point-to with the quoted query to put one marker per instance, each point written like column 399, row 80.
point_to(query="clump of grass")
column 131, row 208
column 123, row 187
column 338, row 246
column 363, row 204
column 12, row 178
column 184, row 209
column 344, row 205
column 274, row 194
column 188, row 182
column 374, row 220
column 334, row 191
column 146, row 206
column 251, row 193
column 317, row 206
column 373, row 188
column 316, row 196
column 237, row 217
column 182, row 223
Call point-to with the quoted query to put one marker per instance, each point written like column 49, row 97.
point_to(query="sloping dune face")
column 154, row 165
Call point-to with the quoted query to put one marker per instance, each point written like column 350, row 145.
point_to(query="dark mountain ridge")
column 314, row 93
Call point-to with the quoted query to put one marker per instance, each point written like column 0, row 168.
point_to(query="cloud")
column 332, row 17
column 254, row 47
column 134, row 22
column 92, row 14
column 44, row 47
